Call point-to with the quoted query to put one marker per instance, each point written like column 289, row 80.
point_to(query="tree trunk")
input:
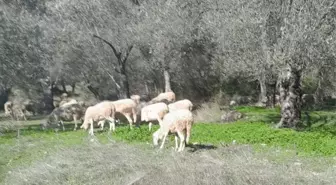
column 124, row 91
column 263, row 91
column 274, row 86
column 290, row 99
column 48, row 98
column 64, row 87
column 146, row 88
column 94, row 91
column 167, row 80
column 73, row 86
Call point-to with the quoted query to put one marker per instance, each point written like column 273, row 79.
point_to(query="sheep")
column 8, row 108
column 65, row 103
column 136, row 98
column 127, row 107
column 100, row 112
column 18, row 110
column 178, row 122
column 181, row 104
column 29, row 105
column 72, row 112
column 168, row 96
column 154, row 112
column 233, row 103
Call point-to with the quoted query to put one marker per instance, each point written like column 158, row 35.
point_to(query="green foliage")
column 255, row 109
column 141, row 134
column 316, row 142
column 309, row 85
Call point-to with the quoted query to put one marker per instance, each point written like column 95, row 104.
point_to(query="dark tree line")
column 197, row 48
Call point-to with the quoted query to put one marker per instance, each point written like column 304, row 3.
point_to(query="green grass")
column 256, row 130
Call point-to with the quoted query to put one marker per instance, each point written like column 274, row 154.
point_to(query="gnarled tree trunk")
column 290, row 98
column 274, row 89
column 167, row 80
column 263, row 91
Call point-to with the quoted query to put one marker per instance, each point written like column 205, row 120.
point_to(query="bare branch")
column 117, row 54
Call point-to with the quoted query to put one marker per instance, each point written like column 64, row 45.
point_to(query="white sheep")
column 181, row 104
column 136, row 98
column 72, row 112
column 154, row 112
column 100, row 112
column 127, row 107
column 8, row 108
column 65, row 103
column 166, row 96
column 233, row 103
column 178, row 122
column 18, row 110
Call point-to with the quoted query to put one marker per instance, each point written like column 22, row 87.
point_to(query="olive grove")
column 196, row 48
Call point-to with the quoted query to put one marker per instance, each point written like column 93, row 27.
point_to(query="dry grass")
column 118, row 163
column 208, row 112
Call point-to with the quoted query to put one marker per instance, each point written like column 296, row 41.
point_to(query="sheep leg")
column 24, row 116
column 163, row 140
column 176, row 142
column 159, row 120
column 188, row 133
column 134, row 115
column 62, row 124
column 129, row 120
column 75, row 120
column 182, row 141
column 150, row 126
column 91, row 127
column 112, row 124
column 101, row 124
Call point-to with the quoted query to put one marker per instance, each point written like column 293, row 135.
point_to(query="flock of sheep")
column 173, row 116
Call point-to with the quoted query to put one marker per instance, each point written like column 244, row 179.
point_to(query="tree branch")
column 110, row 75
column 117, row 54
column 129, row 49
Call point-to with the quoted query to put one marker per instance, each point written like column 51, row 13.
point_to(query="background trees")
column 197, row 48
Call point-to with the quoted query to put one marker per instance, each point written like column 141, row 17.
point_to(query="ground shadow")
column 197, row 147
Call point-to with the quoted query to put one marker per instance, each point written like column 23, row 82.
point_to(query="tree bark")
column 167, row 80
column 48, row 96
column 146, row 88
column 263, row 91
column 73, row 86
column 64, row 87
column 94, row 91
column 274, row 87
column 123, row 91
column 290, row 98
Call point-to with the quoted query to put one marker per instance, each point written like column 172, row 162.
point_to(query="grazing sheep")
column 8, row 108
column 136, row 98
column 233, row 103
column 18, row 110
column 72, row 112
column 64, row 96
column 127, row 107
column 65, row 103
column 168, row 96
column 100, row 112
column 154, row 112
column 30, row 106
column 178, row 122
column 181, row 104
